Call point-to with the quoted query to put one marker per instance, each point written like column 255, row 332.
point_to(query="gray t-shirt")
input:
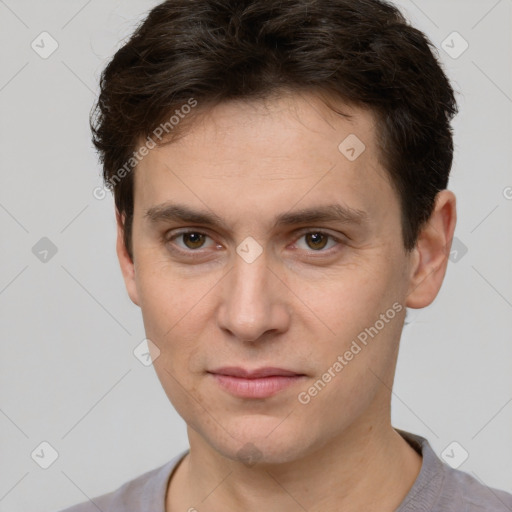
column 438, row 488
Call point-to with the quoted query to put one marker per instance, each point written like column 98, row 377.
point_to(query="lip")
column 259, row 383
column 237, row 371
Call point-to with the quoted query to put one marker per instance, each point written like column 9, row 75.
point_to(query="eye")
column 190, row 240
column 316, row 241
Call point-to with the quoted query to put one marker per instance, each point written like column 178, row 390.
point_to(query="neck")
column 369, row 467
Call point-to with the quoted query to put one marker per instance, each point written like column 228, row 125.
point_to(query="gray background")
column 68, row 329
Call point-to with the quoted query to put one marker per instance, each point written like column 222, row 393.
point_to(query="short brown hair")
column 363, row 52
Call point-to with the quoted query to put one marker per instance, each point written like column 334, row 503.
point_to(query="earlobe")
column 125, row 261
column 432, row 251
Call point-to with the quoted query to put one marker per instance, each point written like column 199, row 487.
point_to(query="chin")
column 265, row 442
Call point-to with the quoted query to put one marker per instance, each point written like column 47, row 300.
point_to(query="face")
column 259, row 243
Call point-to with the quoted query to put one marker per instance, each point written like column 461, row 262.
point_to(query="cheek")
column 167, row 296
column 174, row 321
column 360, row 317
column 177, row 312
column 345, row 303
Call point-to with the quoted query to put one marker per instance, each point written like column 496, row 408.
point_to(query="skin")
column 298, row 306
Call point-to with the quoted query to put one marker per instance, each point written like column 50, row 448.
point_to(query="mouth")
column 259, row 383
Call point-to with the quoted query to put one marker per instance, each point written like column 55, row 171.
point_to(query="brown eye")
column 189, row 243
column 316, row 240
column 193, row 240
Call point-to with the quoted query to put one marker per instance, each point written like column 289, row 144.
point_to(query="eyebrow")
column 170, row 212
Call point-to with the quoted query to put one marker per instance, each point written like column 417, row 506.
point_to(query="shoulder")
column 441, row 488
column 143, row 493
column 473, row 495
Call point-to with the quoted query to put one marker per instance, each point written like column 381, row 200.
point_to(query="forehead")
column 282, row 151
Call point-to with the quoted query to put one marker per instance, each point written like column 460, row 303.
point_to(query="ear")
column 126, row 263
column 432, row 251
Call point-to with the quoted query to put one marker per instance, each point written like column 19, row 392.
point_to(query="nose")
column 253, row 304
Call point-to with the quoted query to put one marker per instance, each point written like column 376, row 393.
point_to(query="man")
column 279, row 171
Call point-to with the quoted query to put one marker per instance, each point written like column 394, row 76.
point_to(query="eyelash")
column 197, row 253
